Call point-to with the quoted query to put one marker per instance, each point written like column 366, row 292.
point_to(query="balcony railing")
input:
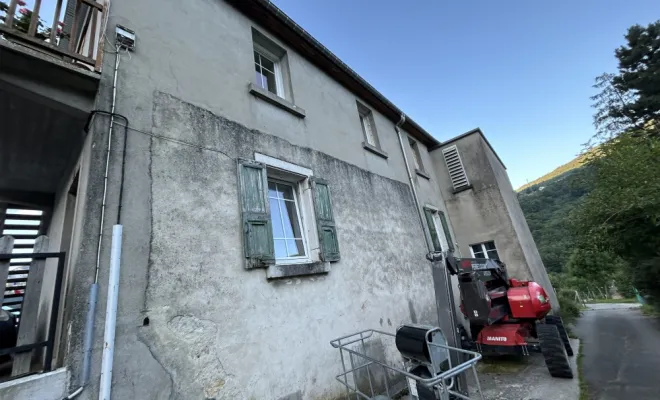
column 69, row 29
column 22, row 336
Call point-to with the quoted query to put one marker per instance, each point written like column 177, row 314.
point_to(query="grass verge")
column 612, row 301
column 650, row 311
column 584, row 388
column 501, row 365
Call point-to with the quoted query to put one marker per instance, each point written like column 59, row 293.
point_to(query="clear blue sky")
column 520, row 70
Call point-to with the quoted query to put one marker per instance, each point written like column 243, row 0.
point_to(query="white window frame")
column 368, row 123
column 304, row 204
column 417, row 155
column 483, row 248
column 296, row 186
column 279, row 83
column 444, row 243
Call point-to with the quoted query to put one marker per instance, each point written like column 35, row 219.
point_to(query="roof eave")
column 278, row 23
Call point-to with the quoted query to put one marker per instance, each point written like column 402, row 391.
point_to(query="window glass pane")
column 292, row 228
column 276, row 219
column 269, row 81
column 259, row 79
column 493, row 254
column 296, row 248
column 267, row 64
column 272, row 190
column 478, row 251
column 280, row 249
column 286, row 191
column 490, row 245
column 256, row 58
column 368, row 129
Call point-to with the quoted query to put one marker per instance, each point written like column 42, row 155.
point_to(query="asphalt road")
column 621, row 353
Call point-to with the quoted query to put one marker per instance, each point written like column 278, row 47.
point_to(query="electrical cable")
column 181, row 142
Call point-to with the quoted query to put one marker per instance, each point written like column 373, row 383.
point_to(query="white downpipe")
column 111, row 314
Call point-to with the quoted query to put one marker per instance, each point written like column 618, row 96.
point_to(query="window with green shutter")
column 433, row 229
column 438, row 229
column 275, row 197
column 325, row 221
column 257, row 230
column 445, row 228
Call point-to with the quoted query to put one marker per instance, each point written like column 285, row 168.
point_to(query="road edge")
column 582, row 382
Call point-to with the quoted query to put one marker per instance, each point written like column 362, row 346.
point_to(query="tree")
column 630, row 100
column 621, row 215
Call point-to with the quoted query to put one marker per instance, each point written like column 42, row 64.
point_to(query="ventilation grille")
column 455, row 167
column 24, row 225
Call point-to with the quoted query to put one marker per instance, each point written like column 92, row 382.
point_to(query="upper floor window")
column 270, row 66
column 268, row 76
column 368, row 125
column 417, row 158
column 484, row 250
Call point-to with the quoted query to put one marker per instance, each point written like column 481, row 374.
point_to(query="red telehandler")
column 508, row 316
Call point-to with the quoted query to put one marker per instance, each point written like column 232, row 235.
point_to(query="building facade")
column 270, row 200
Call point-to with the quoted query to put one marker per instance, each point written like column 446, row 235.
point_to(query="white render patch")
column 46, row 386
column 283, row 165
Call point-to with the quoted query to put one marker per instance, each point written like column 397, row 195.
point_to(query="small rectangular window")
column 439, row 230
column 266, row 71
column 270, row 67
column 368, row 125
column 484, row 250
column 417, row 158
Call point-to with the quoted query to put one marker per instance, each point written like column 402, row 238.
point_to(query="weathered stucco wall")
column 192, row 323
column 247, row 337
column 519, row 222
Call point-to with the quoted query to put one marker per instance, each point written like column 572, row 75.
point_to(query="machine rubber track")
column 556, row 321
column 553, row 351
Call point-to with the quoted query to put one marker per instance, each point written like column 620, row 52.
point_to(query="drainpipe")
column 397, row 127
column 435, row 264
column 114, row 259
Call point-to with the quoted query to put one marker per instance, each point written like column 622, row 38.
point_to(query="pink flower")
column 59, row 31
column 23, row 11
column 20, row 3
column 60, row 23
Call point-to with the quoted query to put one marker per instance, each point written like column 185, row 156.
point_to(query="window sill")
column 276, row 100
column 422, row 174
column 462, row 189
column 279, row 271
column 374, row 150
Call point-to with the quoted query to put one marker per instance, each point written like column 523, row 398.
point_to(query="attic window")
column 455, row 167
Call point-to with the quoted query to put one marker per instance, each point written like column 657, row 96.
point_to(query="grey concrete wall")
column 519, row 222
column 215, row 330
column 489, row 210
column 48, row 386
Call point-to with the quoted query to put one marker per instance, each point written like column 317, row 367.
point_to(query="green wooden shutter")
column 257, row 230
column 432, row 229
column 325, row 221
column 445, row 227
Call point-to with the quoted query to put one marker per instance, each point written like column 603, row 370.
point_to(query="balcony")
column 50, row 65
column 50, row 69
column 67, row 30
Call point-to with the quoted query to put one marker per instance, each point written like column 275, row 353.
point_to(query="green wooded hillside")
column 548, row 207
